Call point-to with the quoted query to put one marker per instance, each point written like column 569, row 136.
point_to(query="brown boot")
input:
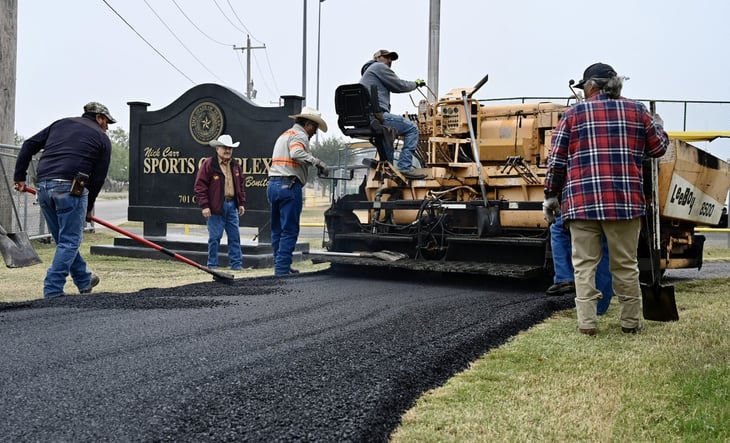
column 588, row 331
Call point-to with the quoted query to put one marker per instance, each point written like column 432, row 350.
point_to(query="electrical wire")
column 263, row 77
column 250, row 34
column 196, row 26
column 145, row 40
column 226, row 17
column 181, row 42
column 241, row 22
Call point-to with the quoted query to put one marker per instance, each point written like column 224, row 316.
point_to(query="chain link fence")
column 19, row 211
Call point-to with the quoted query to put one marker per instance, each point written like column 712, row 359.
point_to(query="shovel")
column 384, row 255
column 17, row 250
column 217, row 276
column 658, row 300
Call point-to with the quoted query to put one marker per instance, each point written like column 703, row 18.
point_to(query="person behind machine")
column 70, row 174
column 564, row 278
column 377, row 72
column 288, row 174
column 596, row 164
column 222, row 198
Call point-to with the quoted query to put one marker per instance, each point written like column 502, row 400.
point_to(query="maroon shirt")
column 210, row 185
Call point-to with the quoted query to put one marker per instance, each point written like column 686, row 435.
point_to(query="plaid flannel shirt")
column 596, row 157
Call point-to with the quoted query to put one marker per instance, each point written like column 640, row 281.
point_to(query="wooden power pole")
column 8, row 56
column 250, row 93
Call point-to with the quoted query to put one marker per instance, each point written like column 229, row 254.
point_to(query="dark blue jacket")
column 70, row 145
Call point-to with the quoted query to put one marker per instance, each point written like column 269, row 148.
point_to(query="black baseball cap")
column 596, row 70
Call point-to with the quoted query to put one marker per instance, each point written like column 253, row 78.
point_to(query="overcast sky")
column 74, row 51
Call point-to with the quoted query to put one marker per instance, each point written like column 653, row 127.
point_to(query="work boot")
column 411, row 174
column 561, row 288
column 635, row 330
column 587, row 331
column 94, row 281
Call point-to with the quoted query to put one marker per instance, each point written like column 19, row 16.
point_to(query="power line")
column 181, row 42
column 266, row 52
column 196, row 26
column 249, row 34
column 148, row 43
column 241, row 22
column 229, row 20
column 263, row 78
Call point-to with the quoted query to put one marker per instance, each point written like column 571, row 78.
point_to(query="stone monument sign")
column 167, row 147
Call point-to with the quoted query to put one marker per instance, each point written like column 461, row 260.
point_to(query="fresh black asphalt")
column 312, row 357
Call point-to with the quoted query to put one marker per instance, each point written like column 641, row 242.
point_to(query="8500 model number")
column 707, row 209
column 688, row 202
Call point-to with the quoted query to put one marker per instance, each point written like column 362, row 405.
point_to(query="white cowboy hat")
column 224, row 140
column 313, row 115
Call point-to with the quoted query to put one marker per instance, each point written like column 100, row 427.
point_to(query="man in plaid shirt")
column 595, row 169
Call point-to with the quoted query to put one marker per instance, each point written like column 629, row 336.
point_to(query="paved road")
column 313, row 357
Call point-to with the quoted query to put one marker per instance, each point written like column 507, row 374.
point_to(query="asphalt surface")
column 311, row 357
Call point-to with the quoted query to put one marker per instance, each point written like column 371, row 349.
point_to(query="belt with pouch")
column 286, row 178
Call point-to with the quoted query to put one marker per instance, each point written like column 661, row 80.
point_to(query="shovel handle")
column 220, row 276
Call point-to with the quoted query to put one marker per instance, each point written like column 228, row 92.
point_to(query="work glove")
column 322, row 168
column 420, row 82
column 551, row 209
column 658, row 120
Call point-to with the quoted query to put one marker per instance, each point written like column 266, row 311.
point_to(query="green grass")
column 669, row 383
column 118, row 274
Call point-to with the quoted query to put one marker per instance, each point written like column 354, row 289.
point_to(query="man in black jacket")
column 71, row 172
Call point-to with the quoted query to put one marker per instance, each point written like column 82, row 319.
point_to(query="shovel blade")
column 17, row 250
column 389, row 255
column 658, row 302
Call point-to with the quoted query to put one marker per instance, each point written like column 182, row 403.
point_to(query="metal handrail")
column 569, row 98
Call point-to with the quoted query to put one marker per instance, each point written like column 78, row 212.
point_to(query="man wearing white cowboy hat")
column 222, row 198
column 290, row 163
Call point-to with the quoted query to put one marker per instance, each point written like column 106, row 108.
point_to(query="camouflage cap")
column 98, row 108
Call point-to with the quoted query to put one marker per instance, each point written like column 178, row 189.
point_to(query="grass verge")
column 669, row 383
column 118, row 274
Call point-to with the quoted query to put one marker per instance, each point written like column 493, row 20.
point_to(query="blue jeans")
column 409, row 131
column 65, row 216
column 561, row 246
column 228, row 221
column 285, row 199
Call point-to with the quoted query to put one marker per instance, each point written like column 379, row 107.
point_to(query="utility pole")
column 8, row 57
column 250, row 92
column 304, row 52
column 434, row 35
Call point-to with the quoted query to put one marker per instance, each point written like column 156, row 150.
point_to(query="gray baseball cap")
column 385, row 53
